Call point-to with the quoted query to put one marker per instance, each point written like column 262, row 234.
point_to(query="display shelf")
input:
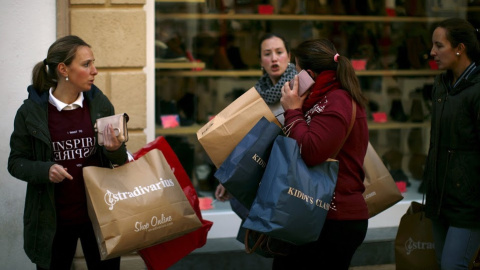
column 186, row 130
column 397, row 125
column 296, row 17
column 457, row 9
column 179, row 65
column 189, row 130
column 258, row 73
column 180, row 1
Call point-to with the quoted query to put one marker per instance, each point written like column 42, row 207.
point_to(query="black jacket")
column 30, row 159
column 452, row 171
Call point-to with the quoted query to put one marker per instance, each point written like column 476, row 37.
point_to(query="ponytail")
column 349, row 80
column 320, row 55
column 43, row 77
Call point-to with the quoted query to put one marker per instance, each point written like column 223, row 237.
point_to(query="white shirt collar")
column 64, row 106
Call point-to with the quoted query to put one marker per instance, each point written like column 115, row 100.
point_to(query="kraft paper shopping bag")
column 220, row 135
column 137, row 205
column 381, row 192
column 414, row 245
column 163, row 255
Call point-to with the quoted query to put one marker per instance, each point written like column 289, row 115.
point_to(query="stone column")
column 116, row 30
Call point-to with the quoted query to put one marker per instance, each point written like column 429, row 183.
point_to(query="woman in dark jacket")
column 452, row 173
column 52, row 140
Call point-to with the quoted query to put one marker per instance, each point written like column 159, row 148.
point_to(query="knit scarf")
column 324, row 82
column 271, row 93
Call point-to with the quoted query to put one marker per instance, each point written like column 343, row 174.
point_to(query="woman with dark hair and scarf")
column 277, row 70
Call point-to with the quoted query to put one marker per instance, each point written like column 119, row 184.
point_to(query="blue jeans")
column 454, row 247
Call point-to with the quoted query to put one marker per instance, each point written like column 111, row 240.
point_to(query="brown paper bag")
column 414, row 246
column 137, row 205
column 221, row 134
column 381, row 192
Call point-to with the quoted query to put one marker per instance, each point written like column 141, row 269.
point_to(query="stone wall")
column 116, row 30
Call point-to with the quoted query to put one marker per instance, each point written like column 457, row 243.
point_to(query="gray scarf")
column 271, row 93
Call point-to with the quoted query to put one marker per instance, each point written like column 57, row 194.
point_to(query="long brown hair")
column 319, row 55
column 44, row 74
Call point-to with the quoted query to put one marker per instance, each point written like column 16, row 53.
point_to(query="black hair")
column 461, row 31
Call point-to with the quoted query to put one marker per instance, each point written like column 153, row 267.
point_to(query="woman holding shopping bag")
column 274, row 55
column 452, row 171
column 52, row 140
column 319, row 122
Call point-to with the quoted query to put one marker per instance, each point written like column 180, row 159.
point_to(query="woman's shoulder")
column 339, row 97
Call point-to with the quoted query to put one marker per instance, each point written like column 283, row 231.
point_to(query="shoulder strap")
column 352, row 121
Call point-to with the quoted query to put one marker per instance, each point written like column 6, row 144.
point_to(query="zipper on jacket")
column 450, row 152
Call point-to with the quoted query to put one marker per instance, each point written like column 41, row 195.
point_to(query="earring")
column 261, row 68
column 66, row 78
column 458, row 53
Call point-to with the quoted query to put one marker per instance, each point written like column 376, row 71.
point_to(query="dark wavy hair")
column 268, row 36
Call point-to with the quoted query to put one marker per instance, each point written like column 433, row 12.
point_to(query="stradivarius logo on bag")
column 412, row 245
column 111, row 198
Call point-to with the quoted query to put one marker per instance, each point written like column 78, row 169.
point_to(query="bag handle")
column 259, row 241
column 352, row 121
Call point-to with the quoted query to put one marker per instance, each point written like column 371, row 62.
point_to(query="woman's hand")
column 290, row 98
column 221, row 194
column 110, row 140
column 57, row 173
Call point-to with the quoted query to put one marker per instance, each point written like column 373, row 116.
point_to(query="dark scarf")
column 324, row 82
column 271, row 93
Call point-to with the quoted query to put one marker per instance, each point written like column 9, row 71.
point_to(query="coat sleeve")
column 25, row 161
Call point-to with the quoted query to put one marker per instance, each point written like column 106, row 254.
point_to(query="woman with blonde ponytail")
column 320, row 121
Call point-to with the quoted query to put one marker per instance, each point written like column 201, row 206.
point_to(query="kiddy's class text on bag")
column 293, row 200
column 119, row 125
column 137, row 205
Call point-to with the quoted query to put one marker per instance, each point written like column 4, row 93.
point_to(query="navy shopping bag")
column 292, row 199
column 242, row 171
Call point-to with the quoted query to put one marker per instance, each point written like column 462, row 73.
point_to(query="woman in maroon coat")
column 319, row 121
